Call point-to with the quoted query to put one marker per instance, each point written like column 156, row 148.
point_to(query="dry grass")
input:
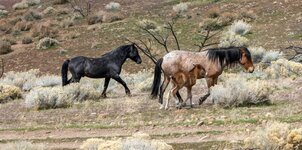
column 137, row 141
column 23, row 145
column 9, row 92
column 275, row 135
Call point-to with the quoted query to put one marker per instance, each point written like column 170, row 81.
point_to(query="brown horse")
column 213, row 61
column 188, row 80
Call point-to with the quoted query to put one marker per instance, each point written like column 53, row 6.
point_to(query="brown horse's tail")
column 64, row 72
column 156, row 80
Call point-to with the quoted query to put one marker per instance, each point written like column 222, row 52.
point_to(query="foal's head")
column 246, row 59
column 133, row 54
column 198, row 71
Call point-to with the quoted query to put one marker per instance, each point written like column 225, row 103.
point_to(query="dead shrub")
column 9, row 92
column 137, row 141
column 27, row 40
column 213, row 12
column 44, row 30
column 46, row 43
column 5, row 47
column 60, row 2
column 23, row 26
column 32, row 16
column 94, row 19
column 275, row 135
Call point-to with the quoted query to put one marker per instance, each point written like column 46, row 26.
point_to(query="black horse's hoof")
column 104, row 96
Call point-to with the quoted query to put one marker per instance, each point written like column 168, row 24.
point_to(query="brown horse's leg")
column 105, row 87
column 163, row 89
column 180, row 100
column 210, row 82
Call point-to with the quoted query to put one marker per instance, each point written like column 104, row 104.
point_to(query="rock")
column 5, row 47
column 27, row 40
column 200, row 123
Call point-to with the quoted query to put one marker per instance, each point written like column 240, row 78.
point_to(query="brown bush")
column 27, row 40
column 15, row 20
column 32, row 16
column 248, row 16
column 227, row 18
column 94, row 19
column 44, row 30
column 5, row 47
column 60, row 2
column 213, row 12
column 10, row 40
column 23, row 26
column 111, row 17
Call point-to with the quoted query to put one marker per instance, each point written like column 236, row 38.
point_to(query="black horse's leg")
column 105, row 87
column 121, row 81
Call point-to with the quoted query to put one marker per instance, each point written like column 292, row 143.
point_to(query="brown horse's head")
column 246, row 59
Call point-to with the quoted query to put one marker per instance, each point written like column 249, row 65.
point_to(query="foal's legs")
column 121, row 81
column 105, row 87
column 173, row 91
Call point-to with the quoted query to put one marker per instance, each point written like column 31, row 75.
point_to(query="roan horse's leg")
column 121, row 81
column 163, row 89
column 210, row 82
column 105, row 87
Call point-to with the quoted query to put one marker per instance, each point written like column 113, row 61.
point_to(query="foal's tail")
column 156, row 80
column 64, row 72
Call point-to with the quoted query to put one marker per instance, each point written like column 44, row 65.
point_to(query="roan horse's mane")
column 229, row 55
column 118, row 50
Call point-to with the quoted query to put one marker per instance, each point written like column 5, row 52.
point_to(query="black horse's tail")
column 64, row 72
column 157, row 78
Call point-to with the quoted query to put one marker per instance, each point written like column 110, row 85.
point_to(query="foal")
column 188, row 80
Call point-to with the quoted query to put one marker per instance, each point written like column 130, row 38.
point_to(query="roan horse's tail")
column 64, row 72
column 156, row 80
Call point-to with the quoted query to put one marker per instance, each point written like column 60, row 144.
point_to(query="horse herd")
column 182, row 68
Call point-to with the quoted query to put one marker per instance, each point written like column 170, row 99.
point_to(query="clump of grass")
column 60, row 97
column 180, row 8
column 46, row 43
column 9, row 92
column 237, row 91
column 148, row 24
column 270, row 56
column 231, row 39
column 284, row 68
column 275, row 135
column 240, row 27
column 23, row 145
column 113, row 6
column 257, row 53
column 43, row 81
column 19, row 78
column 137, row 141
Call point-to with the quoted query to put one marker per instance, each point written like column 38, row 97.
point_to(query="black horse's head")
column 133, row 54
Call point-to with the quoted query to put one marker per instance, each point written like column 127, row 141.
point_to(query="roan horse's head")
column 134, row 55
column 246, row 59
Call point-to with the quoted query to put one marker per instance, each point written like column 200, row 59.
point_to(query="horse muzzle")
column 251, row 69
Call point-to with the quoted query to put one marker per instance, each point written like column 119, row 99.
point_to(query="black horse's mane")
column 118, row 50
column 230, row 55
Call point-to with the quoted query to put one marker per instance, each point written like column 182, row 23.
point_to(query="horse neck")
column 120, row 56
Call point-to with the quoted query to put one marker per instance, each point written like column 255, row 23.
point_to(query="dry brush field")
column 259, row 110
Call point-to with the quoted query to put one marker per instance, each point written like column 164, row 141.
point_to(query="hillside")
column 275, row 25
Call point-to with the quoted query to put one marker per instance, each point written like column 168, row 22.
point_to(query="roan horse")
column 188, row 80
column 213, row 61
column 107, row 66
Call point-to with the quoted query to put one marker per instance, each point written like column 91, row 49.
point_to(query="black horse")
column 107, row 66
